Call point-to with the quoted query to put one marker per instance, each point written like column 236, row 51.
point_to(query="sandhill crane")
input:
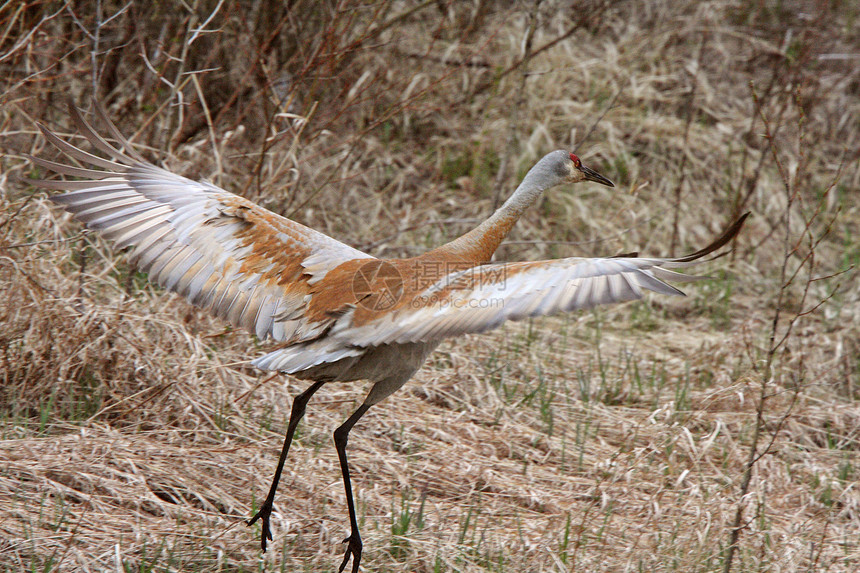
column 335, row 313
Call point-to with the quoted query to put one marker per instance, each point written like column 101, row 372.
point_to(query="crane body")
column 336, row 314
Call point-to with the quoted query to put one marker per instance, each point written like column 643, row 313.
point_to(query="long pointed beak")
column 592, row 175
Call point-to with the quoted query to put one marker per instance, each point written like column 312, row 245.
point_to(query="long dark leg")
column 295, row 415
column 341, row 436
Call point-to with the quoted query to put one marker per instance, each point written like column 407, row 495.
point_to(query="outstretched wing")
column 220, row 251
column 483, row 297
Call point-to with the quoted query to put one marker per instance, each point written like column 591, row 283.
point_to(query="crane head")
column 579, row 172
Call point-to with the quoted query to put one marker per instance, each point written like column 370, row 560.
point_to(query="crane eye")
column 576, row 162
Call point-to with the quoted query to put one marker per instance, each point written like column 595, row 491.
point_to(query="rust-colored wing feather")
column 220, row 251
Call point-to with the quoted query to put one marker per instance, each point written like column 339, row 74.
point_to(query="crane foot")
column 352, row 549
column 264, row 514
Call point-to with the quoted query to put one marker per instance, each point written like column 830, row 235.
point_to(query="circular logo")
column 377, row 285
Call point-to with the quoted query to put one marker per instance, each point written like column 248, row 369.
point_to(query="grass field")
column 716, row 432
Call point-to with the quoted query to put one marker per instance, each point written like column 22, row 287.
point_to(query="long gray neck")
column 480, row 243
column 544, row 175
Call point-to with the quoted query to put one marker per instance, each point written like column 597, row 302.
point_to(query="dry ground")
column 135, row 437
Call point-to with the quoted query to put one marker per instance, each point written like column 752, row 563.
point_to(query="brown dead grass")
column 135, row 436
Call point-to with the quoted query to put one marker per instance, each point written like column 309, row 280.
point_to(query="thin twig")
column 519, row 101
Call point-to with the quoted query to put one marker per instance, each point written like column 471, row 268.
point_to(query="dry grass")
column 135, row 436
